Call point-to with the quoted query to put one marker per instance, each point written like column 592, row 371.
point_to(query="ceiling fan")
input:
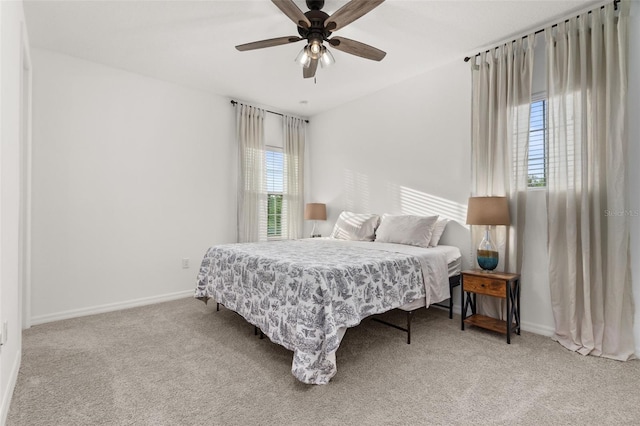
column 316, row 26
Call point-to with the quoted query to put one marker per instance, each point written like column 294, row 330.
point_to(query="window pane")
column 537, row 167
column 274, row 215
column 275, row 187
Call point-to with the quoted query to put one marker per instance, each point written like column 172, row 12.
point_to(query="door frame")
column 24, row 243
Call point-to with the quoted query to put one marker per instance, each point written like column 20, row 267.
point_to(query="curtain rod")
column 615, row 6
column 270, row 112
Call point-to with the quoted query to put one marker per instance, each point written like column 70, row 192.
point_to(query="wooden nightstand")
column 495, row 284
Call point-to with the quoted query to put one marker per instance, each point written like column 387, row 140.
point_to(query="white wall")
column 11, row 48
column 401, row 150
column 407, row 149
column 130, row 175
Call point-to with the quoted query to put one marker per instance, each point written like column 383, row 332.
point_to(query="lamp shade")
column 315, row 211
column 488, row 211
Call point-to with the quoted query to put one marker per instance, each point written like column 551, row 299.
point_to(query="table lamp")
column 314, row 212
column 488, row 211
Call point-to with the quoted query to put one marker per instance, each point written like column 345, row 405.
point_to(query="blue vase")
column 487, row 254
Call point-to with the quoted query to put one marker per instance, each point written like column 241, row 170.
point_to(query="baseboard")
column 8, row 392
column 537, row 329
column 109, row 307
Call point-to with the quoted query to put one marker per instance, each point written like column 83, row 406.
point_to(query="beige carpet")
column 183, row 363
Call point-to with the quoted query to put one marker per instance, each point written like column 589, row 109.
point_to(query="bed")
column 304, row 294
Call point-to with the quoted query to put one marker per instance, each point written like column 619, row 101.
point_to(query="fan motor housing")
column 317, row 19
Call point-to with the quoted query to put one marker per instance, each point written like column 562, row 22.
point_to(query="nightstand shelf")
column 501, row 285
column 489, row 323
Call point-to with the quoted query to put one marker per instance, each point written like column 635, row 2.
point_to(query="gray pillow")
column 406, row 229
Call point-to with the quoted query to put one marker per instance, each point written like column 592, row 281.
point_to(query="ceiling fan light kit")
column 316, row 26
column 309, row 53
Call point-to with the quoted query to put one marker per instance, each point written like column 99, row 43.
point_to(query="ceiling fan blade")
column 310, row 71
column 356, row 48
column 289, row 8
column 349, row 13
column 268, row 43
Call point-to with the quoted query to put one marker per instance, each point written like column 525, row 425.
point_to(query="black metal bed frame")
column 255, row 327
column 453, row 283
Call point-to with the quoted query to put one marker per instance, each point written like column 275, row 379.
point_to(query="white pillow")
column 356, row 226
column 438, row 230
column 406, row 229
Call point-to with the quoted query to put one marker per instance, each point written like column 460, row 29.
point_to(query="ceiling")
column 191, row 43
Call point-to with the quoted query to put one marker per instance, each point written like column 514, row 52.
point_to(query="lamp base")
column 487, row 254
column 488, row 260
column 313, row 231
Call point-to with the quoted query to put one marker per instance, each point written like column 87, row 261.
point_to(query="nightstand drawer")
column 487, row 285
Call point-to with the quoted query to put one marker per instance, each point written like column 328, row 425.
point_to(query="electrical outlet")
column 4, row 333
column 185, row 263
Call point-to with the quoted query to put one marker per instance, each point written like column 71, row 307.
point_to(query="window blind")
column 537, row 166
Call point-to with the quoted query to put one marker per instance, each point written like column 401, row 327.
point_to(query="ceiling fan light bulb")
column 327, row 58
column 315, row 47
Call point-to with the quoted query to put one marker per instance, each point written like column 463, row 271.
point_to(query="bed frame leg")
column 406, row 330
column 217, row 307
column 256, row 330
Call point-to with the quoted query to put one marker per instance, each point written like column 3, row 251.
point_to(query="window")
column 537, row 167
column 275, row 185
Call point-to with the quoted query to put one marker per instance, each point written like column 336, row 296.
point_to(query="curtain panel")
column 293, row 199
column 588, row 229
column 501, row 99
column 252, row 191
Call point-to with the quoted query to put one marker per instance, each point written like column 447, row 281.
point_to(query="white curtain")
column 252, row 194
column 587, row 184
column 293, row 199
column 500, row 138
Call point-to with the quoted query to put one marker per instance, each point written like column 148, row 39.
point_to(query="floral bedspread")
column 301, row 293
